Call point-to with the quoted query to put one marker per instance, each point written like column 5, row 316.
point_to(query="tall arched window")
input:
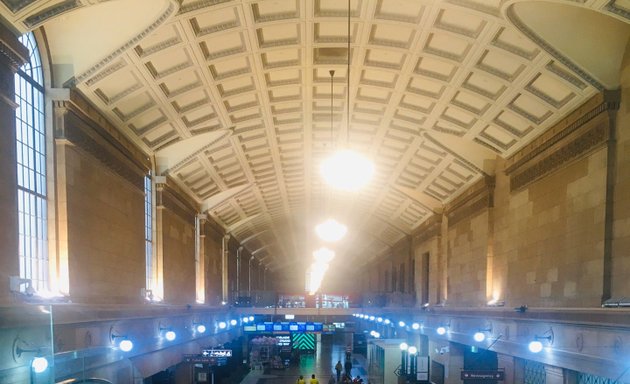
column 31, row 168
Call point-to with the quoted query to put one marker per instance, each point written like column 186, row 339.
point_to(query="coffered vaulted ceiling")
column 233, row 99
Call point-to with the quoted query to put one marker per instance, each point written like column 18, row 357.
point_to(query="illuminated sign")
column 284, row 341
column 216, row 353
column 285, row 326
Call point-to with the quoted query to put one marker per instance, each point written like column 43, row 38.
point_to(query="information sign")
column 482, row 375
column 217, row 352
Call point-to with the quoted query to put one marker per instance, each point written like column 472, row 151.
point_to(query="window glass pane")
column 148, row 230
column 31, row 168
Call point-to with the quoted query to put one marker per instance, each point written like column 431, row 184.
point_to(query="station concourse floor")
column 322, row 363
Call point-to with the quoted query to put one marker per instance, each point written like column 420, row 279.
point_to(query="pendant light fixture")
column 347, row 170
column 331, row 230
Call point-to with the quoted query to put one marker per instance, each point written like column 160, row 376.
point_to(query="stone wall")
column 212, row 246
column 534, row 233
column 105, row 221
column 620, row 260
column 179, row 252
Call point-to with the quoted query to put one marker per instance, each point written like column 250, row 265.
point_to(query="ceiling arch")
column 437, row 91
column 578, row 36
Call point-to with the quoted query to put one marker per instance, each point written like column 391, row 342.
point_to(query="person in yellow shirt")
column 313, row 380
column 301, row 380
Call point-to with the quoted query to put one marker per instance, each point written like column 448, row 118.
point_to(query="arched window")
column 31, row 168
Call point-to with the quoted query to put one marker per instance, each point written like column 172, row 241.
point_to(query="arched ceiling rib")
column 438, row 89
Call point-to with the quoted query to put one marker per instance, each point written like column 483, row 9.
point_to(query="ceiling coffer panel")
column 435, row 89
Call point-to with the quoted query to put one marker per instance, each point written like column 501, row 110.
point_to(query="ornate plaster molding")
column 166, row 15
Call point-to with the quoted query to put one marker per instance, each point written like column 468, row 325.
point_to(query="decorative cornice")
column 80, row 105
column 478, row 197
column 559, row 131
column 17, row 5
column 520, row 25
column 171, row 9
column 621, row 11
column 586, row 142
column 583, row 130
column 78, row 122
column 201, row 4
column 50, row 12
column 12, row 51
column 177, row 204
column 461, row 213
column 429, row 229
column 83, row 136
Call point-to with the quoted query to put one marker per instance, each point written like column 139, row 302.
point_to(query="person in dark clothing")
column 338, row 368
column 348, row 367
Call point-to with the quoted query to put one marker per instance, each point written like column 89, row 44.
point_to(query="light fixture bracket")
column 548, row 335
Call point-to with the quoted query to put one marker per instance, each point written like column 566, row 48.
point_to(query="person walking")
column 348, row 367
column 338, row 368
column 313, row 380
column 301, row 380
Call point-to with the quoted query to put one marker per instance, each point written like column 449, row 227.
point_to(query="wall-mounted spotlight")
column 233, row 322
column 412, row 350
column 379, row 319
column 39, row 363
column 251, row 318
column 124, row 344
column 415, row 326
column 537, row 345
column 245, row 319
column 480, row 335
column 199, row 328
column 222, row 324
column 387, row 321
column 441, row 330
column 168, row 333
column 401, row 323
column 372, row 318
column 375, row 334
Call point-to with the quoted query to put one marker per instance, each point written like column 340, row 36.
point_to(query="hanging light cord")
column 332, row 135
column 348, row 86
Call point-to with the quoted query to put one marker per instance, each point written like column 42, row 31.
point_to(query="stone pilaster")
column 506, row 363
column 200, row 262
column 554, row 375
column 158, row 241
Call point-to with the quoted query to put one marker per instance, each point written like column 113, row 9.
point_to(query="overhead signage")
column 482, row 375
column 217, row 353
column 284, row 326
column 200, row 359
